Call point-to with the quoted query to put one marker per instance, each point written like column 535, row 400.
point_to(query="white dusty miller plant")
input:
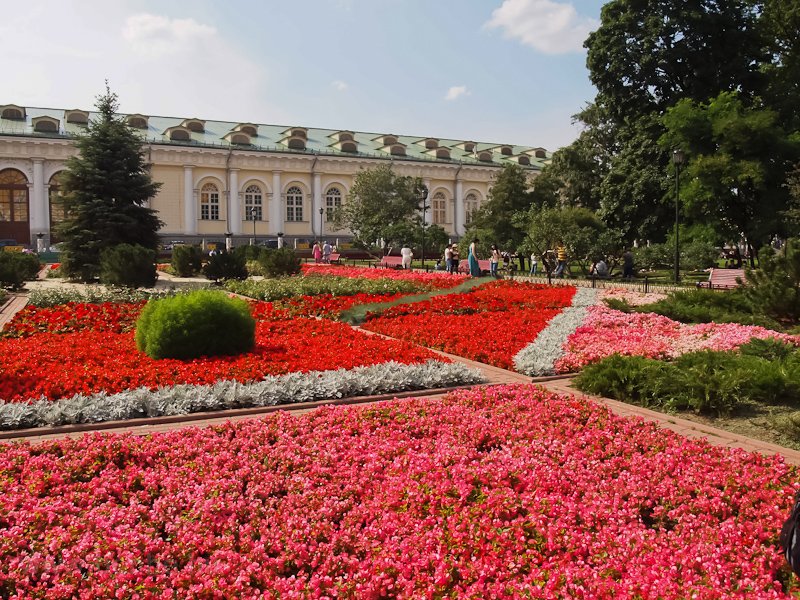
column 384, row 378
column 538, row 357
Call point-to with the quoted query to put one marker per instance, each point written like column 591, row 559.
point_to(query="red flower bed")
column 489, row 324
column 506, row 492
column 90, row 361
column 115, row 317
column 327, row 305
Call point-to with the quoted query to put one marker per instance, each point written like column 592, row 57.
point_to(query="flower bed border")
column 178, row 402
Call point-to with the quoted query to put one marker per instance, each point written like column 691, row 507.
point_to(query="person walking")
column 474, row 267
column 448, row 258
column 327, row 249
column 317, row 252
column 407, row 255
column 534, row 263
column 561, row 257
column 627, row 264
column 456, row 259
column 494, row 260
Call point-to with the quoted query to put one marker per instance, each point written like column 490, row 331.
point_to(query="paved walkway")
column 493, row 376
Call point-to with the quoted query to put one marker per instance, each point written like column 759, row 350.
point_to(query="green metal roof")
column 273, row 138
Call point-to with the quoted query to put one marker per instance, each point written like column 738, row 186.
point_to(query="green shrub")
column 619, row 304
column 201, row 323
column 126, row 265
column 705, row 306
column 16, row 268
column 768, row 348
column 3, row 296
column 187, row 260
column 775, row 287
column 250, row 252
column 279, row 262
column 225, row 265
column 704, row 382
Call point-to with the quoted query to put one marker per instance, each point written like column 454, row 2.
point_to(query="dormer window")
column 137, row 121
column 540, row 153
column 299, row 132
column 485, row 156
column 389, row 140
column 296, row 143
column 12, row 112
column 469, row 147
column 238, row 138
column 195, row 125
column 443, row 153
column 78, row 117
column 397, row 149
column 346, row 136
column 430, row 143
column 247, row 128
column 179, row 134
column 45, row 125
column 349, row 147
column 506, row 150
column 523, row 160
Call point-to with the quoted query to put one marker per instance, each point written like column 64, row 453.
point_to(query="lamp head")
column 678, row 157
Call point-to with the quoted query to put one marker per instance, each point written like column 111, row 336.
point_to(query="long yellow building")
column 243, row 179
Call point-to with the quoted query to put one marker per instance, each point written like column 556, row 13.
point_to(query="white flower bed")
column 389, row 377
column 538, row 357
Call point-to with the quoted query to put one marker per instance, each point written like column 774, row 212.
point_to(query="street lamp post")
column 677, row 159
column 321, row 212
column 253, row 215
column 423, row 196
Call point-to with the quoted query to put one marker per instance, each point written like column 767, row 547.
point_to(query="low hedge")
column 705, row 382
column 288, row 287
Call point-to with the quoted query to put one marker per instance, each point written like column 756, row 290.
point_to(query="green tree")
column 502, row 220
column 381, row 206
column 738, row 159
column 106, row 186
column 774, row 288
column 580, row 230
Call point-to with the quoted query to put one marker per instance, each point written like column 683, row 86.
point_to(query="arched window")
column 470, row 206
column 58, row 210
column 333, row 200
column 252, row 203
column 13, row 196
column 439, row 208
column 294, row 204
column 209, row 202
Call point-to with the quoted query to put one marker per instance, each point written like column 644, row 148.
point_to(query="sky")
column 504, row 71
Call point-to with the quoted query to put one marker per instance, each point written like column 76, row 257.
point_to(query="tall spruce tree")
column 107, row 186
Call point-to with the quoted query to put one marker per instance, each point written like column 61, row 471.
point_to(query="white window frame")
column 209, row 202
column 253, row 199
column 294, row 204
column 333, row 200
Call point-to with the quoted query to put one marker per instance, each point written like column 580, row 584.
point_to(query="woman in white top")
column 407, row 255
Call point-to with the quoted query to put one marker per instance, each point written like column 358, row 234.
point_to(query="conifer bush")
column 226, row 265
column 201, row 323
column 16, row 268
column 128, row 265
column 186, row 260
column 279, row 262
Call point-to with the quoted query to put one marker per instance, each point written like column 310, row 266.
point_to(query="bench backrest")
column 392, row 261
column 725, row 278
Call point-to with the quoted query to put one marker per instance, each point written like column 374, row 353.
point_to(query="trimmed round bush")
column 201, row 323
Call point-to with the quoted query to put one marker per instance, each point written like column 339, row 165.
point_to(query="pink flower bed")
column 434, row 279
column 631, row 297
column 605, row 332
column 505, row 492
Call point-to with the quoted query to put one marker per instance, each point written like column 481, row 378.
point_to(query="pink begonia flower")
column 605, row 332
column 500, row 492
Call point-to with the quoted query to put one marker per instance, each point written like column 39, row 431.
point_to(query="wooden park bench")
column 334, row 258
column 391, row 262
column 463, row 266
column 723, row 279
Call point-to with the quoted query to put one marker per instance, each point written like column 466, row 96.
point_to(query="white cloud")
column 547, row 26
column 155, row 35
column 456, row 91
column 338, row 85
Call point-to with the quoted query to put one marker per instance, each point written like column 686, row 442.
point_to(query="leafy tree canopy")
column 498, row 220
column 107, row 187
column 381, row 205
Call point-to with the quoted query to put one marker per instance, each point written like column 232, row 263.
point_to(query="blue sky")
column 506, row 71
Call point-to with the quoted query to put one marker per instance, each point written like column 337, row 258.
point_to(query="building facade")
column 243, row 180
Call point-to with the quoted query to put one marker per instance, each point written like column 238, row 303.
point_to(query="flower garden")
column 505, row 491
